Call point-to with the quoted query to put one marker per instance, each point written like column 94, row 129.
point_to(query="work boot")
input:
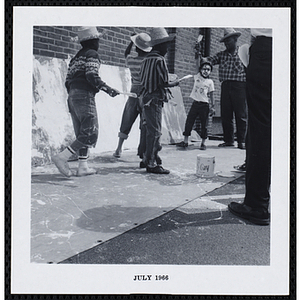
column 157, row 170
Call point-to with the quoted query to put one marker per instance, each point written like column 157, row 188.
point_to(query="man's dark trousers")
column 259, row 98
column 233, row 101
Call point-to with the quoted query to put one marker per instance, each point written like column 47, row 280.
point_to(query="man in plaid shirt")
column 232, row 75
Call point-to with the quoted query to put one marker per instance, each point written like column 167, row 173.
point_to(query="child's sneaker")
column 182, row 144
column 202, row 147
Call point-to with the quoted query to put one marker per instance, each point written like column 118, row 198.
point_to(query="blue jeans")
column 82, row 108
column 152, row 113
column 132, row 109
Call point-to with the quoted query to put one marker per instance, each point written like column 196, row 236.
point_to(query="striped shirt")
column 230, row 66
column 134, row 65
column 154, row 73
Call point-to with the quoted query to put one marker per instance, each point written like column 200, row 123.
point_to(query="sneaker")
column 157, row 170
column 244, row 211
column 202, row 147
column 62, row 165
column 158, row 160
column 226, row 145
column 241, row 168
column 142, row 165
column 117, row 154
column 182, row 144
column 85, row 172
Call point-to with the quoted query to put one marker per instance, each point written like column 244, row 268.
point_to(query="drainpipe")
column 207, row 33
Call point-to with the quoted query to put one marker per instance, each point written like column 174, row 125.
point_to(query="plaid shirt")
column 230, row 66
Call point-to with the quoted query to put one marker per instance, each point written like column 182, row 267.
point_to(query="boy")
column 155, row 83
column 203, row 103
column 82, row 83
column 133, row 106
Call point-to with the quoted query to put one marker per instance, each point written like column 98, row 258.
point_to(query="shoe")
column 182, row 144
column 142, row 165
column 242, row 146
column 158, row 160
column 157, row 170
column 62, row 165
column 202, row 147
column 117, row 154
column 85, row 172
column 226, row 145
column 241, row 168
column 246, row 212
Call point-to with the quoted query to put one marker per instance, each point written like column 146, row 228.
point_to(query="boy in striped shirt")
column 155, row 83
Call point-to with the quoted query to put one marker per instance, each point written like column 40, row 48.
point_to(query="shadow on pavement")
column 99, row 219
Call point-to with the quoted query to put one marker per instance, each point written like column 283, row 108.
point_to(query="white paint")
column 51, row 116
column 205, row 165
column 223, row 197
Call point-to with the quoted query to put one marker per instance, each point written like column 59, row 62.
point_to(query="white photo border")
column 29, row 278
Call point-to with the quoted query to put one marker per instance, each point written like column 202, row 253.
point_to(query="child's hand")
column 212, row 111
column 113, row 92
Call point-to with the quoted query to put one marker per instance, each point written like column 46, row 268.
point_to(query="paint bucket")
column 205, row 165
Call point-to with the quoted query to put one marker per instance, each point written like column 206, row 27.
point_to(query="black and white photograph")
column 151, row 150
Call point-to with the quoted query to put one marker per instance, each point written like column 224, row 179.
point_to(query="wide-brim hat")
column 228, row 32
column 160, row 35
column 86, row 33
column 141, row 41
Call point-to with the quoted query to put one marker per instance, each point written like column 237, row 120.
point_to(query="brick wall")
column 216, row 46
column 56, row 41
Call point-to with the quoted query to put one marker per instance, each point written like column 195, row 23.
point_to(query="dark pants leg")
column 233, row 101
column 153, row 119
column 227, row 113
column 143, row 132
column 259, row 98
column 203, row 113
column 190, row 119
column 83, row 111
column 130, row 113
column 240, row 109
column 200, row 109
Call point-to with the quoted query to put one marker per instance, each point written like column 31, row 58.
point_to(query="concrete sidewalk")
column 71, row 215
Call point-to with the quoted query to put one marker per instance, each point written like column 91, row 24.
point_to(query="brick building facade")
column 58, row 42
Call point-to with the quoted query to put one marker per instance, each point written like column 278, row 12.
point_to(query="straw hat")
column 86, row 33
column 159, row 35
column 228, row 32
column 141, row 41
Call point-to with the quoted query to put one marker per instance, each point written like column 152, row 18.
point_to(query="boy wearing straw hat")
column 155, row 83
column 133, row 106
column 82, row 83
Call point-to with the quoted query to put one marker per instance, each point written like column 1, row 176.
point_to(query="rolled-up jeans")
column 82, row 108
column 132, row 109
column 152, row 113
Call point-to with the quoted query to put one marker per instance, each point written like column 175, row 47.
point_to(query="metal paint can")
column 205, row 165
